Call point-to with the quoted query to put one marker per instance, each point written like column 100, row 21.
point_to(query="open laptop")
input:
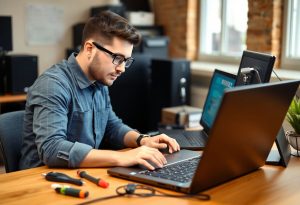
column 239, row 142
column 196, row 140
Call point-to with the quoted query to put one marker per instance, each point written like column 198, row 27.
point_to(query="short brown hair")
column 107, row 25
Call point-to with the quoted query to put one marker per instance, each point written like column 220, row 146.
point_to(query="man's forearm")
column 101, row 158
column 130, row 139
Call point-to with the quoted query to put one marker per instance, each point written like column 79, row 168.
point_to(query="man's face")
column 101, row 67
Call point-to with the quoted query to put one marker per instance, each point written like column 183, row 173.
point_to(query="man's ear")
column 88, row 47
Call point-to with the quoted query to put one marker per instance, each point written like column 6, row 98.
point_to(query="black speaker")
column 77, row 34
column 170, row 86
column 118, row 9
column 5, row 33
column 130, row 93
column 21, row 72
column 2, row 75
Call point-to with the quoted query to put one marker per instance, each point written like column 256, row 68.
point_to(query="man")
column 68, row 111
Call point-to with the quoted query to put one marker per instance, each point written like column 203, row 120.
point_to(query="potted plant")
column 293, row 117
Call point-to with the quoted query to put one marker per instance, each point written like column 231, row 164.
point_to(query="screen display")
column 218, row 84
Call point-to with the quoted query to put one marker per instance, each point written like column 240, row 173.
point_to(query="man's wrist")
column 139, row 139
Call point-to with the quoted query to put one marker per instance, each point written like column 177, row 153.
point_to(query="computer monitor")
column 255, row 68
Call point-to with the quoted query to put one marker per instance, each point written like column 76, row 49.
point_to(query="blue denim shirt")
column 66, row 116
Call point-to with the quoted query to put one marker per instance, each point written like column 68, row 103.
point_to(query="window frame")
column 286, row 61
column 220, row 57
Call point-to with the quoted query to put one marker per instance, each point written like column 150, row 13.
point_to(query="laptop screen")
column 219, row 82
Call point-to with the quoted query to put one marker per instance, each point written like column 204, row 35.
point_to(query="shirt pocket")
column 101, row 121
column 80, row 127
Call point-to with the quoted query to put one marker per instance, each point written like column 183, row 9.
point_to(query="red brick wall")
column 179, row 19
column 265, row 26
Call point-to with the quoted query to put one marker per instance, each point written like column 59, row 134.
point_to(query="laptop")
column 280, row 156
column 196, row 140
column 239, row 142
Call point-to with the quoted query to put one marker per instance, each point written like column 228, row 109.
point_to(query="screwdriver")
column 98, row 181
column 67, row 190
column 61, row 177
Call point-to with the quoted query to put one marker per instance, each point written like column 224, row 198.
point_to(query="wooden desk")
column 8, row 98
column 269, row 185
column 12, row 98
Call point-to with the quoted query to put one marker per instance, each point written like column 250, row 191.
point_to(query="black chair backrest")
column 11, row 132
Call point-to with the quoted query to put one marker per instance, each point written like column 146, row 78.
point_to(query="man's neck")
column 83, row 64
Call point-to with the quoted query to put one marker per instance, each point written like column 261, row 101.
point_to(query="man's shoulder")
column 57, row 73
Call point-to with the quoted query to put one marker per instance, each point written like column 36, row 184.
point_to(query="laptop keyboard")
column 180, row 172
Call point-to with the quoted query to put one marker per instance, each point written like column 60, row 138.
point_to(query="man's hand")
column 142, row 155
column 161, row 141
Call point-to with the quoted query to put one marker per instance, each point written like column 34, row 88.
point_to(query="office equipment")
column 130, row 93
column 11, row 132
column 156, row 46
column 6, row 43
column 169, row 77
column 150, row 30
column 98, row 181
column 237, row 145
column 254, row 68
column 61, row 177
column 140, row 18
column 196, row 140
column 2, row 75
column 118, row 9
column 77, row 30
column 21, row 72
column 136, row 5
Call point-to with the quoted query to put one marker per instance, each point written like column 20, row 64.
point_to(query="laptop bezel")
column 205, row 126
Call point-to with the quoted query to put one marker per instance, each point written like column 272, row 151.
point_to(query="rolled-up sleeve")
column 50, row 102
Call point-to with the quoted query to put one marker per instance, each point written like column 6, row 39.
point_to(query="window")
column 291, row 47
column 223, row 29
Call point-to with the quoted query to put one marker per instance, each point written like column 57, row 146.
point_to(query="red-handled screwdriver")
column 98, row 181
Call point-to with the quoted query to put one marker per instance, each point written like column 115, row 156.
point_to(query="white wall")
column 74, row 11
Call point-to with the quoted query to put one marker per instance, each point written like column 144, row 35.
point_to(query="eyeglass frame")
column 114, row 55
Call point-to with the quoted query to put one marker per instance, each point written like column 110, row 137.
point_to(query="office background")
column 180, row 22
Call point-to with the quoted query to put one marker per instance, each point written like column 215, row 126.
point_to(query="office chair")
column 11, row 128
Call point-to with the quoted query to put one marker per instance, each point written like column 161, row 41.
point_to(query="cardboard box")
column 140, row 18
column 181, row 115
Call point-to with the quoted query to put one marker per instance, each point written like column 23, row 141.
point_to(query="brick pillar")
column 265, row 26
column 179, row 20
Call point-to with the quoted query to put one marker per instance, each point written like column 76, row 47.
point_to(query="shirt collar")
column 82, row 80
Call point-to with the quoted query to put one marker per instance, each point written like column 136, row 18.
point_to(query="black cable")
column 281, row 80
column 144, row 191
column 276, row 75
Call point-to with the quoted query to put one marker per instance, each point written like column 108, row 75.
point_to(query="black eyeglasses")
column 118, row 59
